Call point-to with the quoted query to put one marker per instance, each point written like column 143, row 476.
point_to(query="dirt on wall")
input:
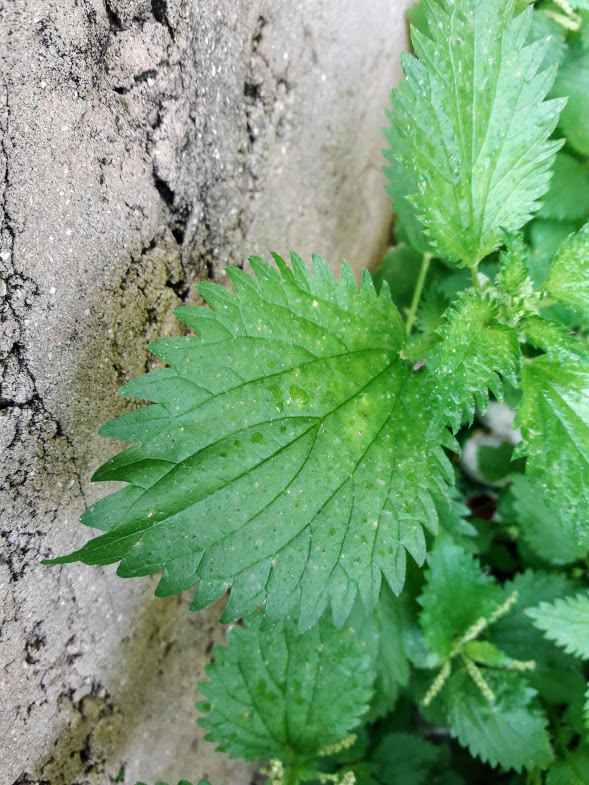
column 145, row 144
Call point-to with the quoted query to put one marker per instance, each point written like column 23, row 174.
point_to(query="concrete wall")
column 145, row 145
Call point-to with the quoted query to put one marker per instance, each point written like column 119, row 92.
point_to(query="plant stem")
column 426, row 259
column 475, row 275
column 291, row 776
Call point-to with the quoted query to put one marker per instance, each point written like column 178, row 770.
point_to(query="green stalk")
column 427, row 257
column 291, row 776
column 475, row 276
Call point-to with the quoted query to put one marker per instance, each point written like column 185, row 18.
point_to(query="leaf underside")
column 277, row 694
column 285, row 456
column 473, row 115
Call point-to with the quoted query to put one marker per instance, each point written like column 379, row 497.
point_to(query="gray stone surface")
column 146, row 144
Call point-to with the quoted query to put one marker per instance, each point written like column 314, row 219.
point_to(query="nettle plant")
column 305, row 441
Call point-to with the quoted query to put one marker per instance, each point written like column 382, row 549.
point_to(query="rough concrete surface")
column 144, row 145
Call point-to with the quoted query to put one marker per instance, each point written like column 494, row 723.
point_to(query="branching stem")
column 426, row 259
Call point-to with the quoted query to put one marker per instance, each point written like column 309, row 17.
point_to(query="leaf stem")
column 426, row 259
column 475, row 276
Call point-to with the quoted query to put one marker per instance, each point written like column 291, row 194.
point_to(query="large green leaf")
column 286, row 456
column 554, row 419
column 566, row 622
column 473, row 115
column 509, row 732
column 277, row 694
column 568, row 277
column 475, row 353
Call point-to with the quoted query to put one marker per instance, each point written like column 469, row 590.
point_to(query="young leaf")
column 473, row 115
column 474, row 352
column 573, row 83
column 566, row 622
column 276, row 694
column 509, row 732
column 554, row 419
column 568, row 277
column 286, row 457
column 456, row 595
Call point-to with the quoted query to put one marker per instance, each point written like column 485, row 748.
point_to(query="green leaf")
column 287, row 456
column 586, row 711
column 403, row 184
column 456, row 595
column 453, row 521
column 571, row 770
column 566, row 622
column 568, row 278
column 553, row 541
column 400, row 268
column 554, row 419
column 544, row 27
column 568, row 196
column 432, row 307
column 417, row 16
column 276, row 694
column 572, row 82
column 515, row 634
column 552, row 338
column 473, row 115
column 404, row 759
column 383, row 631
column 474, row 353
column 509, row 732
column 484, row 653
column 546, row 237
